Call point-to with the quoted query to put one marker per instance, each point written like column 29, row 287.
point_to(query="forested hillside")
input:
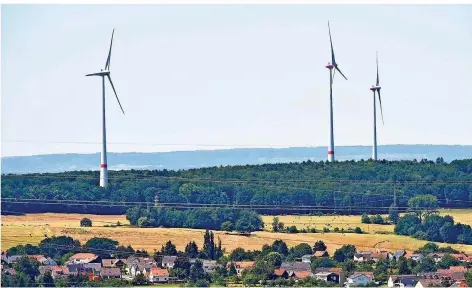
column 307, row 187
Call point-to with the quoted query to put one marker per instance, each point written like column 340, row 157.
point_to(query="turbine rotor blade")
column 333, row 60
column 336, row 68
column 380, row 101
column 377, row 61
column 113, row 86
column 107, row 64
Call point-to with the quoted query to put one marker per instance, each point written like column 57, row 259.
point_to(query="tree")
column 27, row 266
column 144, row 222
column 344, row 253
column 250, row 279
column 322, row 263
column 169, row 249
column 85, row 222
column 140, row 279
column 273, row 259
column 280, row 247
column 423, row 204
column 292, row 229
column 319, row 246
column 197, row 272
column 365, row 219
column 191, row 249
column 300, row 250
column 101, row 246
column 427, row 265
column 468, row 277
column 277, row 226
column 381, row 271
column 232, row 270
column 447, row 261
column 47, row 280
column 393, row 214
column 358, row 230
column 403, row 268
column 56, row 247
column 227, row 226
column 202, row 283
column 377, row 219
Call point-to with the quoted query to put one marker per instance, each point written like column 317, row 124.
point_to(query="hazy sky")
column 232, row 75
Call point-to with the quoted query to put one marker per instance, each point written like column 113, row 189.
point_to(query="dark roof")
column 168, row 259
column 296, row 266
column 110, row 272
column 405, row 279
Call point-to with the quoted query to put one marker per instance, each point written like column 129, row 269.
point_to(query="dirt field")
column 33, row 228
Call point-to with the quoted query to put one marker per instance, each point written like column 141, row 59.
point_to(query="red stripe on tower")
column 330, row 152
column 103, row 165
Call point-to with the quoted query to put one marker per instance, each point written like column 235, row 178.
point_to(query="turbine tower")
column 331, row 66
column 374, row 89
column 105, row 73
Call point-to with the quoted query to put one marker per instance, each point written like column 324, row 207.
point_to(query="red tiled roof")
column 79, row 256
column 159, row 272
column 279, row 272
column 302, row 274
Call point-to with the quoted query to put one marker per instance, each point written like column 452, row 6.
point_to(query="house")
column 158, row 275
column 9, row 271
column 107, row 273
column 380, row 255
column 395, row 256
column 306, row 258
column 209, row 265
column 360, row 278
column 168, row 261
column 330, row 274
column 141, row 268
column 459, row 284
column 40, row 258
column 417, row 257
column 363, row 256
column 280, row 272
column 110, row 263
column 135, row 265
column 59, row 271
column 240, row 266
column 44, row 269
column 460, row 257
column 296, row 266
column 319, row 254
column 327, row 277
column 402, row 281
column 84, row 258
column 423, row 283
column 303, row 274
column 12, row 259
column 436, row 256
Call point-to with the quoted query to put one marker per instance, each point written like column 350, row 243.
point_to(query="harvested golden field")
column 331, row 222
column 32, row 228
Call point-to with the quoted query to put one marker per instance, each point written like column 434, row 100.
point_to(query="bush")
column 377, row 219
column 365, row 219
column 85, row 222
column 358, row 230
column 336, row 229
column 292, row 229
column 313, row 230
column 325, row 229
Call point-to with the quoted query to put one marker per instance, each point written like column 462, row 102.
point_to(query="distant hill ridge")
column 239, row 156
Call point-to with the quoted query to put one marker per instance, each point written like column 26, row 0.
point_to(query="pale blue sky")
column 233, row 75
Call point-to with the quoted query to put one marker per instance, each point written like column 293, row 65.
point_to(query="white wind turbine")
column 373, row 89
column 105, row 73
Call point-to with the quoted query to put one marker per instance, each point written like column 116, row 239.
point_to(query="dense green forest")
column 307, row 187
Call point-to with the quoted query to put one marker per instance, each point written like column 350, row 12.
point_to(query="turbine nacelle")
column 375, row 88
column 101, row 73
column 330, row 66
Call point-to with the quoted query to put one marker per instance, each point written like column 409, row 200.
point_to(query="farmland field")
column 32, row 228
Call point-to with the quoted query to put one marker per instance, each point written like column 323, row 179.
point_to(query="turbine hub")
column 372, row 88
column 330, row 66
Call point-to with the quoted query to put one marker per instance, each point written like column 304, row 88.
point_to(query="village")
column 275, row 265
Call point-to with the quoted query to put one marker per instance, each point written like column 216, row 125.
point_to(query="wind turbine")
column 330, row 66
column 105, row 73
column 373, row 89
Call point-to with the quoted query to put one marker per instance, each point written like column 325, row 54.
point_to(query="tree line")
column 347, row 187
column 202, row 218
